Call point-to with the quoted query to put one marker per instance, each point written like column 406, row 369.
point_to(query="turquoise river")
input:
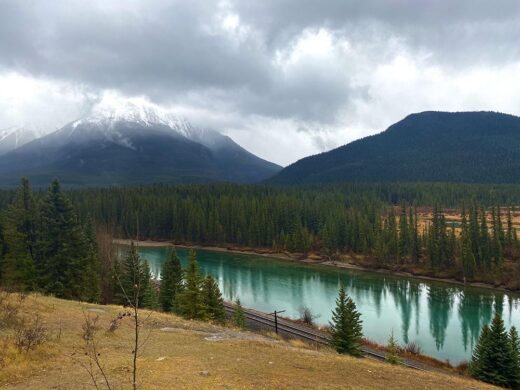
column 444, row 319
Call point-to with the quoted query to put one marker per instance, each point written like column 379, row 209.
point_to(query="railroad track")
column 305, row 333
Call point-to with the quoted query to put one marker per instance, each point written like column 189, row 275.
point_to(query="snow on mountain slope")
column 112, row 110
column 14, row 137
column 133, row 141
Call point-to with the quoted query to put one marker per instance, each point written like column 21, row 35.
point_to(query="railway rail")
column 290, row 328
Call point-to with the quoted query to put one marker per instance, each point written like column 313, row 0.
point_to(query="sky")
column 283, row 78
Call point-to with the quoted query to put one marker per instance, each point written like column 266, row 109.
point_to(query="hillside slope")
column 192, row 355
column 475, row 147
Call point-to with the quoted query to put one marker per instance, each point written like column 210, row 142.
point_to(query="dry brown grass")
column 193, row 355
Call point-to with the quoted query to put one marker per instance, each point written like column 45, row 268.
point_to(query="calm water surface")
column 443, row 319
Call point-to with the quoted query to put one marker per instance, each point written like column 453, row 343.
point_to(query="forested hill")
column 474, row 147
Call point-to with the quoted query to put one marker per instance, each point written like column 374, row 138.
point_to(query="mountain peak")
column 113, row 109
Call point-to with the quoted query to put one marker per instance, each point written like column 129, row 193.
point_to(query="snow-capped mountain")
column 15, row 137
column 111, row 112
column 126, row 141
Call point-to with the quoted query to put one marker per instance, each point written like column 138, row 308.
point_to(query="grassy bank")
column 190, row 354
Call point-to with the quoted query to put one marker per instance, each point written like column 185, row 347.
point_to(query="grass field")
column 190, row 355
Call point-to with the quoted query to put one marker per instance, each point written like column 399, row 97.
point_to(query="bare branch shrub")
column 306, row 316
column 30, row 334
column 10, row 306
column 116, row 322
column 89, row 357
column 413, row 348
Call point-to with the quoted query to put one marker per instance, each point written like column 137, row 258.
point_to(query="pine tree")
column 484, row 243
column 346, row 326
column 414, row 245
column 149, row 298
column 213, row 300
column 493, row 359
column 392, row 349
column 171, row 282
column 62, row 261
column 515, row 349
column 190, row 300
column 404, row 235
column 20, row 240
column 93, row 265
column 498, row 238
column 509, row 232
column 466, row 254
column 474, row 236
column 133, row 280
column 239, row 318
column 393, row 236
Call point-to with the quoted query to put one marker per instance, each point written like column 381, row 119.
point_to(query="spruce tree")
column 171, row 282
column 404, row 235
column 149, row 299
column 493, row 359
column 466, row 253
column 509, row 232
column 515, row 349
column 63, row 260
column 20, row 240
column 392, row 349
column 239, row 317
column 484, row 244
column 414, row 236
column 190, row 300
column 93, row 266
column 346, row 326
column 133, row 280
column 213, row 300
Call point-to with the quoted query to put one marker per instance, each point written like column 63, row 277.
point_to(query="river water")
column 444, row 319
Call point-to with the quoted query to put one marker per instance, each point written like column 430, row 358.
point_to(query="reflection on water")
column 444, row 320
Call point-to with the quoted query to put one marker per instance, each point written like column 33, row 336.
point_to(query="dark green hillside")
column 474, row 147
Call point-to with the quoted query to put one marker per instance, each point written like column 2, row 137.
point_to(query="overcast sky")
column 284, row 78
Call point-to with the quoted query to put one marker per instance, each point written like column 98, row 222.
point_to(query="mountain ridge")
column 427, row 146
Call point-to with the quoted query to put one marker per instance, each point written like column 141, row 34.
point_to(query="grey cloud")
column 462, row 31
column 177, row 52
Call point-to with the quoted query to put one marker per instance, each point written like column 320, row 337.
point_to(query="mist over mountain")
column 477, row 147
column 14, row 137
column 132, row 143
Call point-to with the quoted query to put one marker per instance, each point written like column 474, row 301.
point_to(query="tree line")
column 379, row 222
column 48, row 238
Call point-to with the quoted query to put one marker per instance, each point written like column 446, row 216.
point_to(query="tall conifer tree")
column 213, row 300
column 190, row 300
column 346, row 326
column 63, row 251
column 493, row 359
column 171, row 282
column 20, row 222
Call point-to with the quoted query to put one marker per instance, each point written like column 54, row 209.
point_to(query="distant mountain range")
column 479, row 147
column 130, row 144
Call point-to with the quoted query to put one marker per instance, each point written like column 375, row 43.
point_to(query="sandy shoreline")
column 318, row 261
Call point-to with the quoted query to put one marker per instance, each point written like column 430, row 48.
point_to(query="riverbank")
column 314, row 259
